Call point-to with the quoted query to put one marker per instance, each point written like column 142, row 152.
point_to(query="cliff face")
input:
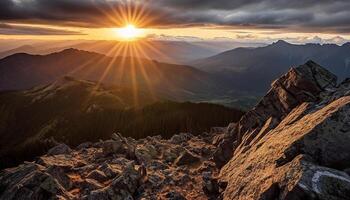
column 295, row 144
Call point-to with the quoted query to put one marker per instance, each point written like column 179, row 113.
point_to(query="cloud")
column 9, row 29
column 329, row 16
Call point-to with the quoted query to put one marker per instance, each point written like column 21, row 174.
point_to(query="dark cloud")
column 284, row 15
column 7, row 29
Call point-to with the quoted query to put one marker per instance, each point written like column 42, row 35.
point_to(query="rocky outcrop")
column 295, row 143
column 301, row 84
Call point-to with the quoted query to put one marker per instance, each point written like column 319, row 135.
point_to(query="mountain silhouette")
column 23, row 71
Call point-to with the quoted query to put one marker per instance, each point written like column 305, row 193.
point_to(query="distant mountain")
column 75, row 111
column 164, row 51
column 254, row 69
column 21, row 49
column 23, row 71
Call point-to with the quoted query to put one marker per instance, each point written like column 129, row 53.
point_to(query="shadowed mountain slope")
column 23, row 71
column 254, row 69
column 75, row 111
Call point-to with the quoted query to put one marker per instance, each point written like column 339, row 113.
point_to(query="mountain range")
column 177, row 52
column 254, row 69
column 23, row 71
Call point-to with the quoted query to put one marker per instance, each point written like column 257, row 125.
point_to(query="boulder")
column 111, row 147
column 59, row 149
column 127, row 182
column 187, row 158
column 180, row 138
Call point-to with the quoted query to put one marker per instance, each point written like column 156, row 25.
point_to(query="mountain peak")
column 280, row 42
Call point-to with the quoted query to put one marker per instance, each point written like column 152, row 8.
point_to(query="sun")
column 129, row 32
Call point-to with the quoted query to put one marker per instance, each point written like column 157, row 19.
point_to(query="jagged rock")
column 180, row 138
column 90, row 184
column 97, row 175
column 187, row 158
column 146, row 153
column 155, row 180
column 117, row 137
column 103, row 171
column 301, row 84
column 84, row 145
column 59, row 149
column 60, row 175
column 297, row 148
column 111, row 147
column 170, row 155
column 210, row 185
column 127, row 182
column 29, row 182
column 225, row 144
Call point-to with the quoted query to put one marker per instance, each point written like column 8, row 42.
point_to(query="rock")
column 59, row 149
column 170, row 155
column 187, row 158
column 210, row 185
column 146, row 153
column 157, row 165
column 155, row 180
column 174, row 196
column 30, row 182
column 97, row 175
column 109, row 170
column 91, row 184
column 295, row 143
column 60, row 175
column 84, row 145
column 128, row 181
column 111, row 147
column 104, row 193
column 117, row 137
column 180, row 138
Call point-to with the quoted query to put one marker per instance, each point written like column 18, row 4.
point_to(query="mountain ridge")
column 97, row 67
column 242, row 67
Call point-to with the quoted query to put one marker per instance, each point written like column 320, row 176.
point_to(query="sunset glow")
column 129, row 32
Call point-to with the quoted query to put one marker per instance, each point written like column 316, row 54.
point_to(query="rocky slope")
column 295, row 144
column 119, row 168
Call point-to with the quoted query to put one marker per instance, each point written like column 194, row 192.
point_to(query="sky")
column 300, row 21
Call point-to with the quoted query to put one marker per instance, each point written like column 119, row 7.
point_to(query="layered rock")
column 295, row 143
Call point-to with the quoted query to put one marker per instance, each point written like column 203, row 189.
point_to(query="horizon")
column 247, row 22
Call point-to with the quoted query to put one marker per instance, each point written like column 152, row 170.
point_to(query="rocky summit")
column 293, row 145
column 118, row 168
